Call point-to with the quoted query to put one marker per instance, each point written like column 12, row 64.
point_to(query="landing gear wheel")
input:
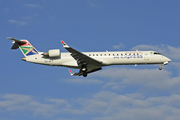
column 160, row 68
column 85, row 74
column 84, row 69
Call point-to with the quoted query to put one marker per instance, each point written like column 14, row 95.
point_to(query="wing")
column 81, row 58
column 88, row 71
column 91, row 64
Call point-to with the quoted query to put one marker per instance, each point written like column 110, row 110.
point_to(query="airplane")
column 87, row 62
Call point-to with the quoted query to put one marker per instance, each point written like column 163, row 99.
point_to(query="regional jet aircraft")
column 87, row 62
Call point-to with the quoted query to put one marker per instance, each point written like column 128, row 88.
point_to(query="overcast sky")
column 36, row 92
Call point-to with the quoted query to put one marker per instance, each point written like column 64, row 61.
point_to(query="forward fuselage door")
column 146, row 56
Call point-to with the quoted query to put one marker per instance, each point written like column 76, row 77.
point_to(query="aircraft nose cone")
column 169, row 60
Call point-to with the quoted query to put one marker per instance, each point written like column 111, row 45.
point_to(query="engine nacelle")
column 53, row 53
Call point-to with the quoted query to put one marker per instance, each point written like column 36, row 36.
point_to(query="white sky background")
column 30, row 91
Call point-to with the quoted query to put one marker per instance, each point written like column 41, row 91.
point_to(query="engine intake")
column 53, row 53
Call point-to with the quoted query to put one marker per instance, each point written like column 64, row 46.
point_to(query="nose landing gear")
column 160, row 67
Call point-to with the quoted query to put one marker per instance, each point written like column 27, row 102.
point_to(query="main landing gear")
column 84, row 74
column 84, row 70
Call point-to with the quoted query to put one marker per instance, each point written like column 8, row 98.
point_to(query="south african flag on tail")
column 24, row 45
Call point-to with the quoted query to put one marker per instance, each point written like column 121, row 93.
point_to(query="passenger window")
column 117, row 54
column 104, row 54
column 109, row 54
column 96, row 54
column 121, row 54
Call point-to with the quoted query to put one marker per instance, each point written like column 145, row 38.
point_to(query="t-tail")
column 25, row 47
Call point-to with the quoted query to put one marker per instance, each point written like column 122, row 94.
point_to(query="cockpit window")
column 156, row 53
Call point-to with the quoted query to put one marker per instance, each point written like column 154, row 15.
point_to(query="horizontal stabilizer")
column 16, row 42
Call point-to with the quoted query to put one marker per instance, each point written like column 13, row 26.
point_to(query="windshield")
column 156, row 53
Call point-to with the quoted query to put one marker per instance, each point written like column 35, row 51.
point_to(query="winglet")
column 71, row 72
column 64, row 44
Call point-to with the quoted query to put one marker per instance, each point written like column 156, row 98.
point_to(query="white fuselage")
column 106, row 58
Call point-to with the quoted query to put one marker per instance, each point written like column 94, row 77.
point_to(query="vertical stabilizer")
column 27, row 49
column 24, row 45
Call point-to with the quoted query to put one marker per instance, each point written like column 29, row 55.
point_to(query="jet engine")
column 52, row 53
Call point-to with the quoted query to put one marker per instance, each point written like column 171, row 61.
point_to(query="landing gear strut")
column 160, row 67
column 84, row 70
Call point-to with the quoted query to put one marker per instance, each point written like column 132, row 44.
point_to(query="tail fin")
column 24, row 45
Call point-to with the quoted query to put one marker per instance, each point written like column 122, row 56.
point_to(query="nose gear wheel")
column 160, row 67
